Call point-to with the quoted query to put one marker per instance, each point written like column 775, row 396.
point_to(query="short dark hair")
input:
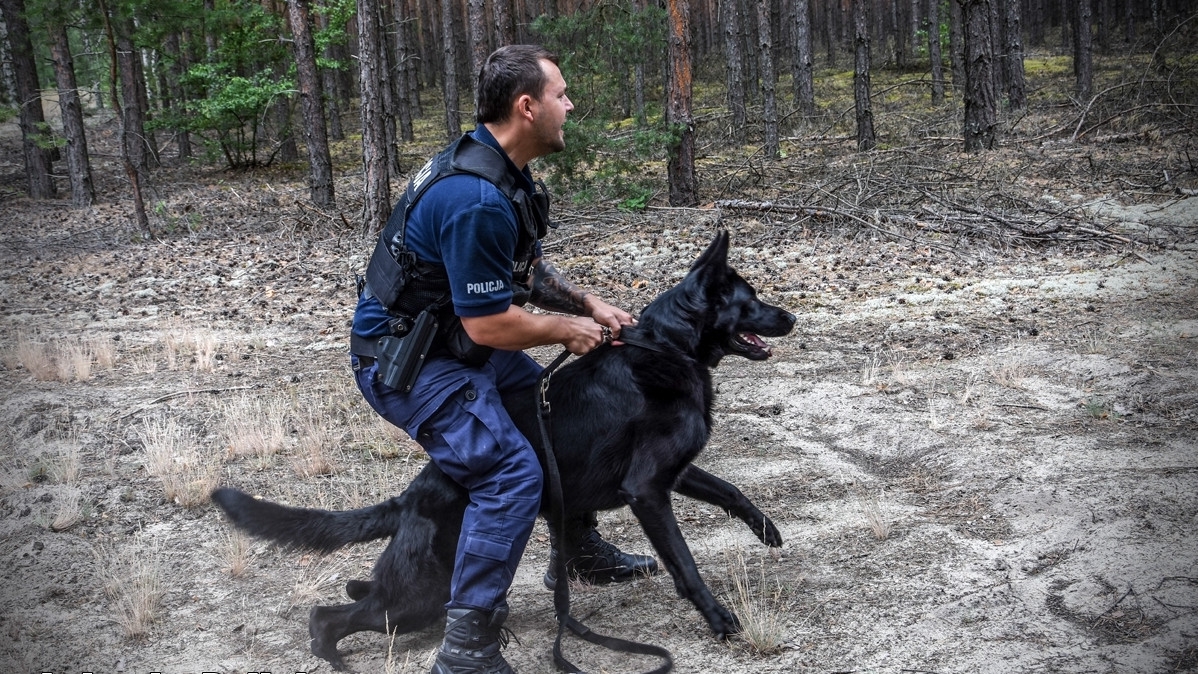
column 510, row 72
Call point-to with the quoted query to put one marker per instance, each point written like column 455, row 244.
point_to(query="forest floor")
column 981, row 453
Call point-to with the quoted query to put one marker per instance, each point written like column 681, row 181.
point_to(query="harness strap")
column 561, row 589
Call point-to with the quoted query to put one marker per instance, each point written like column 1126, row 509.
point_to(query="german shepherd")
column 627, row 420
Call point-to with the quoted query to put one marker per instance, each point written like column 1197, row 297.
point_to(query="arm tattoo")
column 551, row 291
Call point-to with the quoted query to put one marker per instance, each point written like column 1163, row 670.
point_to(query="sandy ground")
column 980, row 462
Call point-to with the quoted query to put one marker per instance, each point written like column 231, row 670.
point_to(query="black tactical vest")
column 406, row 286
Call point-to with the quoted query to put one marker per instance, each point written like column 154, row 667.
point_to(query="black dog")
column 627, row 420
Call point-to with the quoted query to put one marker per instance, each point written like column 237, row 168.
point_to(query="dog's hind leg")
column 698, row 484
column 327, row 625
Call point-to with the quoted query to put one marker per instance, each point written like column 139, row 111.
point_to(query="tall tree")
column 1083, row 50
column 981, row 99
column 866, row 139
column 476, row 19
column 680, row 169
column 1016, row 82
column 956, row 44
column 934, row 55
column 736, row 65
column 320, row 173
column 83, row 193
column 400, row 72
column 35, row 140
column 377, row 198
column 769, row 80
column 804, row 59
column 116, row 89
column 449, row 69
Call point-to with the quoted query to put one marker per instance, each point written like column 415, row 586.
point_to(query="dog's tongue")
column 756, row 341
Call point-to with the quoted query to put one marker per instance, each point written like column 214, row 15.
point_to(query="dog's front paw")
column 723, row 622
column 768, row 533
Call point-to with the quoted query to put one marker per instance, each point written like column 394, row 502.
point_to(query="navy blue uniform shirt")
column 465, row 224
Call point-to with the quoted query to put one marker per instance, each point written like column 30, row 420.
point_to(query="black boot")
column 472, row 642
column 592, row 559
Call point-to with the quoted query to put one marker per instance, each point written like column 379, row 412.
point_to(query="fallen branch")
column 178, row 394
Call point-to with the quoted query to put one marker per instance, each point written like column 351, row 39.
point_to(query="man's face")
column 552, row 107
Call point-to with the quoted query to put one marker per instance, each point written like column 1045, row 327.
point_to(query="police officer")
column 463, row 246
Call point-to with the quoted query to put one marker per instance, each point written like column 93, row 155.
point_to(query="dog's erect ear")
column 716, row 253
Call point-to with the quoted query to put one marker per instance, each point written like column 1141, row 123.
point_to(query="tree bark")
column 866, row 139
column 133, row 126
column 736, row 65
column 400, row 72
column 1083, row 55
column 476, row 20
column 320, row 174
column 32, row 121
column 804, row 63
column 502, row 11
column 680, row 169
column 178, row 66
column 956, row 44
column 935, row 58
column 1016, row 82
column 449, row 69
column 981, row 99
column 377, row 198
column 115, row 88
column 83, row 193
column 769, row 80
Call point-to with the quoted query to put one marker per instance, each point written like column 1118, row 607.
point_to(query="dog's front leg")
column 698, row 484
column 652, row 509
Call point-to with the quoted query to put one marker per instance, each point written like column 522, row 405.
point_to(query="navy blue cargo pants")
column 454, row 411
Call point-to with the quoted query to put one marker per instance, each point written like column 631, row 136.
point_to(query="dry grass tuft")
column 236, row 552
column 173, row 456
column 759, row 607
column 874, row 517
column 34, row 355
column 133, row 580
column 254, row 427
column 69, row 511
column 320, row 577
column 314, row 451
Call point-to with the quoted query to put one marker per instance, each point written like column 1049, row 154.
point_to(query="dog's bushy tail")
column 308, row 528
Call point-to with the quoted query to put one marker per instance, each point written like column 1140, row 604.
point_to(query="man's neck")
column 510, row 140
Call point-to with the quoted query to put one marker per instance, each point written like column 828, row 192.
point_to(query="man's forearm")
column 552, row 292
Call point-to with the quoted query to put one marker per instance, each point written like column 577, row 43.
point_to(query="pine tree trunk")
column 449, row 69
column 866, row 139
column 178, row 66
column 934, row 56
column 981, row 99
column 1083, row 56
column 399, row 71
column 680, row 169
column 320, row 175
column 32, row 121
column 769, row 80
column 736, row 66
column 476, row 19
column 115, row 88
column 1016, row 82
column 804, row 64
column 956, row 44
column 78, row 166
column 134, row 120
column 377, row 197
column 502, row 11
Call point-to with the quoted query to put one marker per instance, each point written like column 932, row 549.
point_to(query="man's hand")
column 607, row 315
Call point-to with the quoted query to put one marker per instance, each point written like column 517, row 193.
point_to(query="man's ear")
column 523, row 107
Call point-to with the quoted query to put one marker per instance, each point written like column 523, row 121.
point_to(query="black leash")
column 561, row 589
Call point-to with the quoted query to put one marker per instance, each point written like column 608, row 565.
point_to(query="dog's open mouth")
column 751, row 346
